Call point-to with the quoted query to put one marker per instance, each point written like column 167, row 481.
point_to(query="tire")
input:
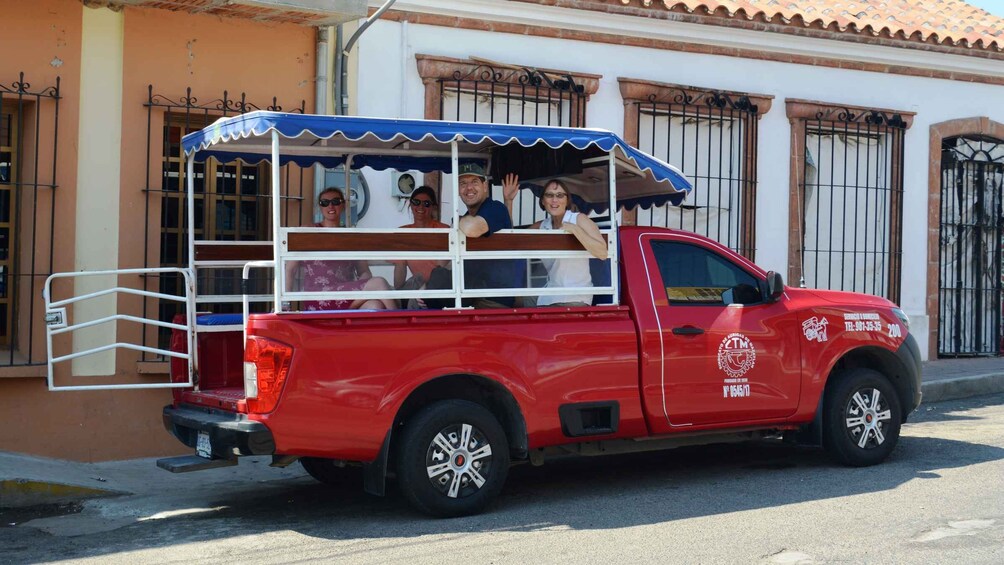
column 328, row 472
column 861, row 418
column 441, row 474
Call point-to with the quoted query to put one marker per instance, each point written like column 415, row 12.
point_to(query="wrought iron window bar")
column 855, row 224
column 971, row 236
column 18, row 101
column 725, row 160
column 187, row 113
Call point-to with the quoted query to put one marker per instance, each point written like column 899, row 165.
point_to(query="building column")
column 99, row 157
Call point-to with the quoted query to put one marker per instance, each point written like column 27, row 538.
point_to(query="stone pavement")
column 121, row 492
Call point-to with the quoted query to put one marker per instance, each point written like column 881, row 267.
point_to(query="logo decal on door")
column 736, row 355
column 815, row 329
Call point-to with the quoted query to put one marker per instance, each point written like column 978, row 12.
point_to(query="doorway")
column 970, row 237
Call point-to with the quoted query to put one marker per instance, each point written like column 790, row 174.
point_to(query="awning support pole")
column 348, row 191
column 278, row 271
column 193, row 366
column 615, row 222
column 457, row 238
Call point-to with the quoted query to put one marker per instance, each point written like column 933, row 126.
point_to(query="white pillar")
column 99, row 156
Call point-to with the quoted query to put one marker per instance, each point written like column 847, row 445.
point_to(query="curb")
column 962, row 387
column 19, row 493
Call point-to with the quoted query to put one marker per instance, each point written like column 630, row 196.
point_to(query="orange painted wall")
column 171, row 51
column 42, row 40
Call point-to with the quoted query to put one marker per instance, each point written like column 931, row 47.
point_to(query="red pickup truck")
column 704, row 347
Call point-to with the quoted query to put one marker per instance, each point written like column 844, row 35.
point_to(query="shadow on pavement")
column 951, row 410
column 583, row 493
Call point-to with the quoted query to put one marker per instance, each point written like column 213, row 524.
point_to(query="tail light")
column 266, row 365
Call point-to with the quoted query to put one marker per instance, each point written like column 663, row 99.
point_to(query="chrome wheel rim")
column 458, row 461
column 866, row 418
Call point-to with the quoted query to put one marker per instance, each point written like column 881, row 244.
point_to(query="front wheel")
column 453, row 459
column 861, row 418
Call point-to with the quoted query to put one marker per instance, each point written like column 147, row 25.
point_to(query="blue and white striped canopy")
column 423, row 145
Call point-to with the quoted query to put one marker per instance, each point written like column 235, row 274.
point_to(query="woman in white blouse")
column 556, row 200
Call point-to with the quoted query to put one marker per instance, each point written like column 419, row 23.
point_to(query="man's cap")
column 472, row 169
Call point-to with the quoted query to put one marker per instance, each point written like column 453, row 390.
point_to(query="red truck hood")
column 841, row 297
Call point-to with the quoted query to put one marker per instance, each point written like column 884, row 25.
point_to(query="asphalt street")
column 938, row 499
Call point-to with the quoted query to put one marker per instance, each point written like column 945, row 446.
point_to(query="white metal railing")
column 457, row 253
column 202, row 265
column 245, row 302
column 57, row 323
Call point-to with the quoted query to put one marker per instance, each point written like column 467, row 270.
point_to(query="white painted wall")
column 389, row 86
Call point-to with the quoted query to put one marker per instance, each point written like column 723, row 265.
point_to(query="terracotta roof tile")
column 946, row 22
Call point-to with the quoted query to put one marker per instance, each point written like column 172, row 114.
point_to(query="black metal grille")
column 232, row 200
column 710, row 136
column 971, row 232
column 29, row 127
column 513, row 96
column 852, row 198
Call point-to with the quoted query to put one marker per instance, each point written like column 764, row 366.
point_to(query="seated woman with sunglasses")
column 556, row 200
column 422, row 203
column 338, row 276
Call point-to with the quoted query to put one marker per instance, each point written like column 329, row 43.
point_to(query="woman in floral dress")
column 338, row 276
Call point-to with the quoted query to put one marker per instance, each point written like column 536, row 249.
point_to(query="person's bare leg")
column 380, row 284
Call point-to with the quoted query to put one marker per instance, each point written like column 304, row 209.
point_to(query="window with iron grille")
column 478, row 91
column 848, row 198
column 712, row 137
column 232, row 202
column 29, row 124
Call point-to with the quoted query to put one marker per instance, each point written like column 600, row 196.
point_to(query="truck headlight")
column 902, row 317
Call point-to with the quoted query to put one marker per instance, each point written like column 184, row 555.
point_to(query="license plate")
column 202, row 446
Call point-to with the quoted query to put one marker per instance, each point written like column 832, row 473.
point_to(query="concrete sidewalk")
column 69, row 498
column 122, row 492
column 948, row 379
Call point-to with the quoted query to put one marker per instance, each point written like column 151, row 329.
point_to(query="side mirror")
column 775, row 286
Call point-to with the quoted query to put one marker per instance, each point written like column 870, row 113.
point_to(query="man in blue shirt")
column 484, row 217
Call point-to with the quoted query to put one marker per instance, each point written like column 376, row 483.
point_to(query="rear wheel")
column 329, row 472
column 861, row 418
column 453, row 459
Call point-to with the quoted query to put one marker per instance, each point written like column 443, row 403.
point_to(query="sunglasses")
column 324, row 202
column 418, row 202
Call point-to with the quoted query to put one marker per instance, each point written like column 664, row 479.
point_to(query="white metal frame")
column 56, row 324
column 227, row 264
column 457, row 252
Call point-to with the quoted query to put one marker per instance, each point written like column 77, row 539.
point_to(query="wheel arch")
column 879, row 359
column 491, row 394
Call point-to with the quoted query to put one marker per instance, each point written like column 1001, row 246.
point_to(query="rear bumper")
column 230, row 434
column 909, row 357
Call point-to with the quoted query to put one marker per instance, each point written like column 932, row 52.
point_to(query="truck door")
column 728, row 356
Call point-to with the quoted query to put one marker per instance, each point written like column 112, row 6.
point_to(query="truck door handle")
column 687, row 330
